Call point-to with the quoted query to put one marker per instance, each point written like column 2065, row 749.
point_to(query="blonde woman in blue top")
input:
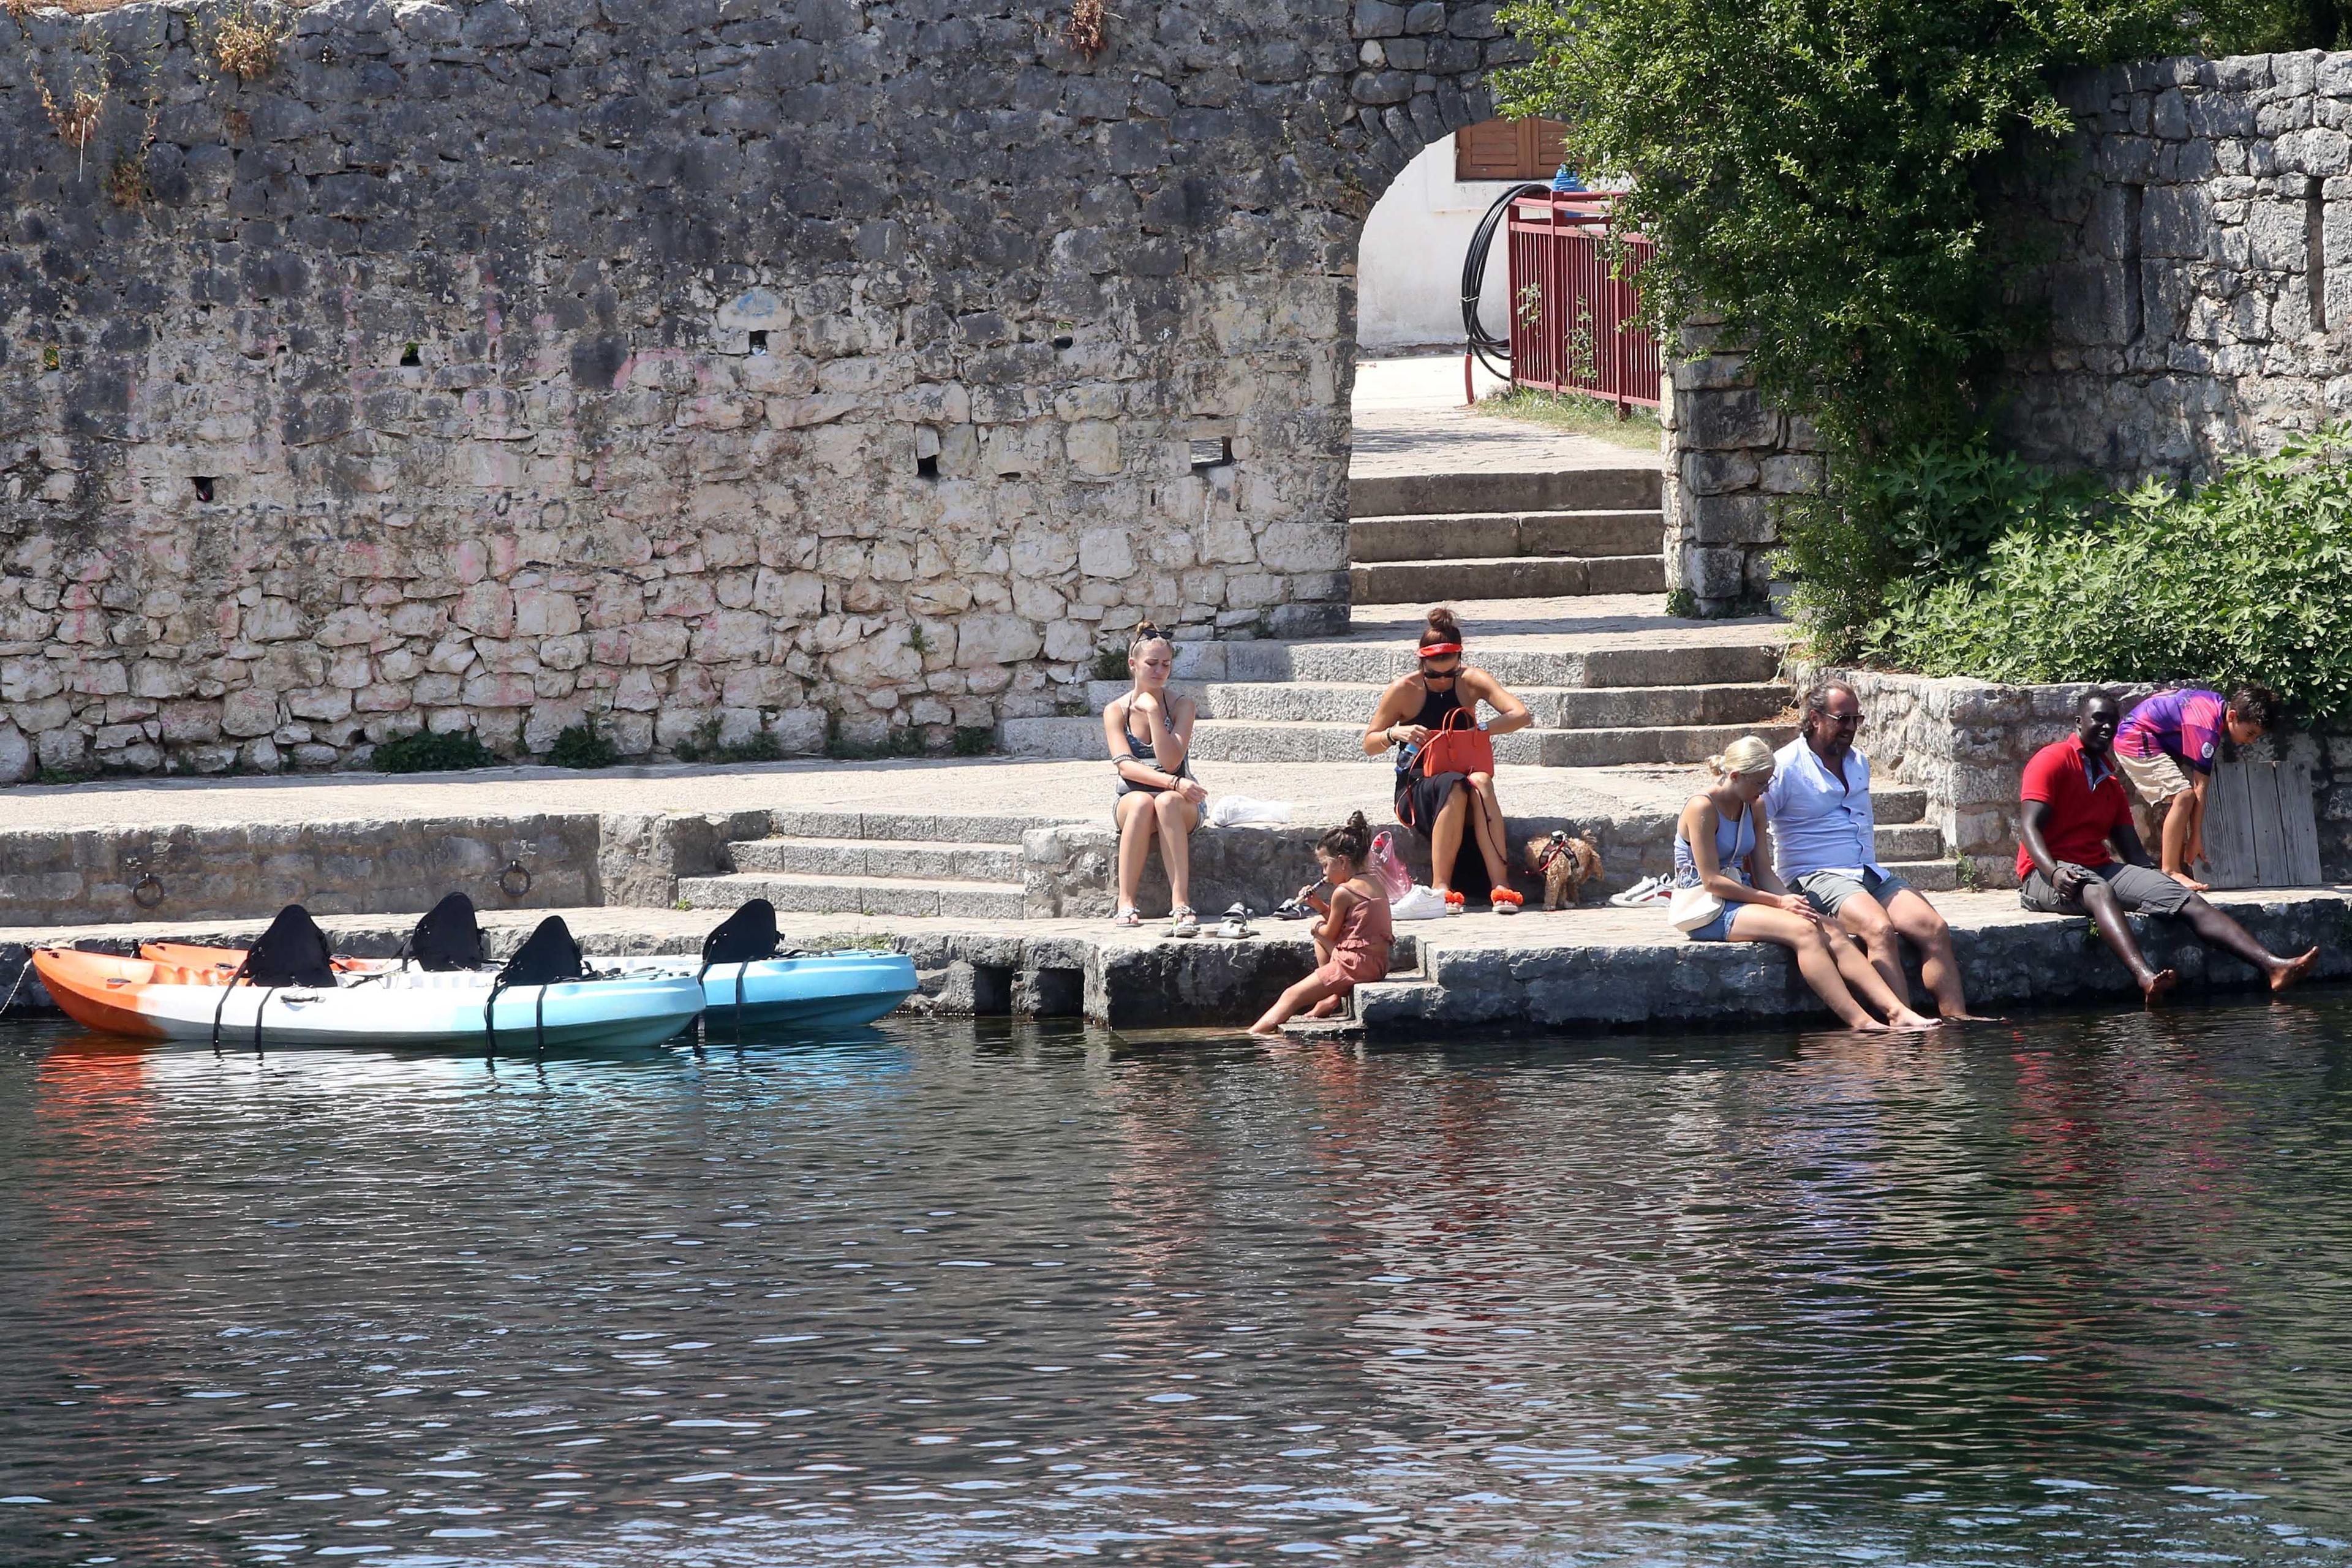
column 1723, row 842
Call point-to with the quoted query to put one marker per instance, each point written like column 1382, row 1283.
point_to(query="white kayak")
column 152, row 999
column 817, row 990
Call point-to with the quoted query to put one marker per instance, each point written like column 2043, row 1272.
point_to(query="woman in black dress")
column 1438, row 807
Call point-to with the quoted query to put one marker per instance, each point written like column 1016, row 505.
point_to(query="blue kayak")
column 827, row 990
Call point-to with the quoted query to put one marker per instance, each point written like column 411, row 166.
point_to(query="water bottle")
column 1405, row 757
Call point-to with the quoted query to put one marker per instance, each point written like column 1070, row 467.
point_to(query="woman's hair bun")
column 1442, row 626
column 1748, row 754
column 1145, row 631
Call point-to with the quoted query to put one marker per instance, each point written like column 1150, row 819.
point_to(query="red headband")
column 1432, row 650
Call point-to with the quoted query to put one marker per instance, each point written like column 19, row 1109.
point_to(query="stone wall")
column 363, row 866
column 1730, row 461
column 2200, row 280
column 1966, row 743
column 2196, row 278
column 746, row 366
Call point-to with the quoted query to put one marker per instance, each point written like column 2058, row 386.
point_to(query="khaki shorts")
column 2156, row 779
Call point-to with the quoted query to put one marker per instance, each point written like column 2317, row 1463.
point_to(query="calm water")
column 2069, row 1293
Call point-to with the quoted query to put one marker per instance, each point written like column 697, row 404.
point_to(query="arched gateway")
column 779, row 366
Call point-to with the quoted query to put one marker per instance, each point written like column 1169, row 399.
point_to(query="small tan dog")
column 1565, row 865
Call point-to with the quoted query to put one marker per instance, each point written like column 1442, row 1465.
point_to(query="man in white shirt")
column 1824, row 841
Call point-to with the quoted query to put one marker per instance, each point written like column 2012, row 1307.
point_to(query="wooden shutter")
column 1507, row 150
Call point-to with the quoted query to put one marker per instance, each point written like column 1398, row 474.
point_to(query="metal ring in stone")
column 515, row 880
column 148, row 891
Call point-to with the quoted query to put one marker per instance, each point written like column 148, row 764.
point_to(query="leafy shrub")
column 580, row 746
column 973, row 740
column 1110, row 664
column 428, row 752
column 2249, row 578
column 1930, row 508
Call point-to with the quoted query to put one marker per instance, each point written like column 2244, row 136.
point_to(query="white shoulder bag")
column 1691, row 907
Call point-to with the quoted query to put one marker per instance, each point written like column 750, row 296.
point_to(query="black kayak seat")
column 549, row 956
column 447, row 938
column 292, row 952
column 746, row 936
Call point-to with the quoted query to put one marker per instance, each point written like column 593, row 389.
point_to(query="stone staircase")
column 875, row 863
column 1307, row 702
column 1423, row 539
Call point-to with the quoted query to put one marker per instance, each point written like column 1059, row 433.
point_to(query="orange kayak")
column 110, row 994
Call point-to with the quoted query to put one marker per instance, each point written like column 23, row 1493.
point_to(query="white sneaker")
column 1648, row 891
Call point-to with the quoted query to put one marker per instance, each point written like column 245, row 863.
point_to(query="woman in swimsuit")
column 1438, row 807
column 1150, row 735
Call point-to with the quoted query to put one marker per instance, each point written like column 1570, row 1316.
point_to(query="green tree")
column 1810, row 170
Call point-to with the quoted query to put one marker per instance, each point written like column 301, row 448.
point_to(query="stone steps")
column 849, row 895
column 1252, row 741
column 1633, row 487
column 888, row 858
column 1436, row 536
column 905, row 825
column 1555, row 708
column 1506, row 577
column 1365, row 663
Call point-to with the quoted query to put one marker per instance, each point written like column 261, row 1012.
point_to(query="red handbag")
column 1463, row 750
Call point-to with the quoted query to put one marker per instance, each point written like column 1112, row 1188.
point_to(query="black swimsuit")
column 1419, row 799
column 1142, row 752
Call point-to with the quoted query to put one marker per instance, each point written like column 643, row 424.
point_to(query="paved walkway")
column 1068, row 791
column 1409, row 419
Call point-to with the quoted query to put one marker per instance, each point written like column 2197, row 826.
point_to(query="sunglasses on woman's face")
column 1446, row 670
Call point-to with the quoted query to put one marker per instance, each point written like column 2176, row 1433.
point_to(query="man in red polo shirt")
column 2077, row 814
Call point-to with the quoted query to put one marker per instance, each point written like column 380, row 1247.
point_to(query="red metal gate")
column 1571, row 301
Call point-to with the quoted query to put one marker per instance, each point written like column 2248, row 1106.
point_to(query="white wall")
column 1409, row 268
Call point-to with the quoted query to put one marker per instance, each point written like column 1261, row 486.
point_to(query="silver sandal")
column 1184, row 922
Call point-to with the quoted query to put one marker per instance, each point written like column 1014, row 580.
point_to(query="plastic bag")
column 1387, row 867
column 1419, row 903
column 1242, row 810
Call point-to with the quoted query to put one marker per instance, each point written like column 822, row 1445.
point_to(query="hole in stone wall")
column 759, row 343
column 1056, row 993
column 927, row 468
column 2314, row 249
column 1212, row 454
column 991, row 990
column 1062, row 339
column 408, row 356
column 204, row 486
column 2135, row 280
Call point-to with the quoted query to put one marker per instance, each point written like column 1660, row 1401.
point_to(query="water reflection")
column 2066, row 1292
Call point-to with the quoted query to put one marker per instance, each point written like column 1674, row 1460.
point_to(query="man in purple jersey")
column 2168, row 747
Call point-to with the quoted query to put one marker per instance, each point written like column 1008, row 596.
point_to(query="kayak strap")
column 228, row 987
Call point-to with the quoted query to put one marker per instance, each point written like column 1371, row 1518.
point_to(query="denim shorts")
column 1717, row 929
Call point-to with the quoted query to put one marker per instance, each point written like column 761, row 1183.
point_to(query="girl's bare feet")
column 2164, row 980
column 1326, row 1008
column 2293, row 969
column 1912, row 1022
column 2189, row 882
column 1264, row 1032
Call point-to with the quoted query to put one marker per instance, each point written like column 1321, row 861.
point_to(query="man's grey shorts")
column 2140, row 890
column 1828, row 890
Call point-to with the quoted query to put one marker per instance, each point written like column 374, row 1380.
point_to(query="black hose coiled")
column 1483, row 343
